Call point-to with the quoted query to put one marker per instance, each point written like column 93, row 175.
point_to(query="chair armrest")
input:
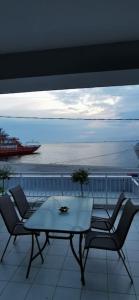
column 99, row 219
column 20, row 223
column 101, row 236
column 31, row 210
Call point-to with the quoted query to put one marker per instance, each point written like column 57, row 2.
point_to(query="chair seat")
column 20, row 230
column 101, row 240
column 101, row 223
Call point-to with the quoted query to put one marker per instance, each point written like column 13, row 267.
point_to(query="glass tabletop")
column 49, row 218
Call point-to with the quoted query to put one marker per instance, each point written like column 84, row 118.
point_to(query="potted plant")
column 80, row 176
column 5, row 173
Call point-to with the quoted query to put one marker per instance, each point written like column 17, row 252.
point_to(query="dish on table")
column 63, row 209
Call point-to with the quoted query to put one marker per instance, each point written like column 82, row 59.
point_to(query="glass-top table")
column 48, row 218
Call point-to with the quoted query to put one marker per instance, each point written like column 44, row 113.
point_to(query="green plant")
column 5, row 173
column 80, row 176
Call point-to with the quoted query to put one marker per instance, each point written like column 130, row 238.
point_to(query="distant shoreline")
column 22, row 168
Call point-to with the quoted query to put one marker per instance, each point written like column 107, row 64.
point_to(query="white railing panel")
column 103, row 188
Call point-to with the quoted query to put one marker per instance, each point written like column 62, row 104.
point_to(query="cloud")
column 80, row 103
column 113, row 102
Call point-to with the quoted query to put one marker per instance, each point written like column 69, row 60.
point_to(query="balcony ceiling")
column 51, row 44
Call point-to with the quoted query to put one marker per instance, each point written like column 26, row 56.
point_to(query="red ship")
column 10, row 146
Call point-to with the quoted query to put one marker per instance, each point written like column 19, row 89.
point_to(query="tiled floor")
column 59, row 277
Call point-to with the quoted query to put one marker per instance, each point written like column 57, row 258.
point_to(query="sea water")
column 111, row 154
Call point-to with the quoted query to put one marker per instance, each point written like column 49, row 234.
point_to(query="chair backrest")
column 8, row 213
column 117, row 208
column 127, row 216
column 20, row 200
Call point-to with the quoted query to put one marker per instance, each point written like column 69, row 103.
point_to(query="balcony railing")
column 103, row 188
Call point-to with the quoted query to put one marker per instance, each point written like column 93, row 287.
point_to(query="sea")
column 107, row 154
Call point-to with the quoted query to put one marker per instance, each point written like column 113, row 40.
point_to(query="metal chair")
column 108, row 223
column 113, row 241
column 21, row 202
column 14, row 226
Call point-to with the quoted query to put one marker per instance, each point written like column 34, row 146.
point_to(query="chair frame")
column 28, row 212
column 112, row 236
column 10, row 207
column 25, row 212
column 111, row 219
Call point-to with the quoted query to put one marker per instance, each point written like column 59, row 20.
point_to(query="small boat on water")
column 10, row 146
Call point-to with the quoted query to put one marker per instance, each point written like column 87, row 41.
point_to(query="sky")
column 106, row 102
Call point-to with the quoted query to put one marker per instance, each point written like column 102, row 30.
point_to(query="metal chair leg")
column 126, row 268
column 5, row 248
column 39, row 248
column 85, row 257
column 31, row 255
column 123, row 253
column 14, row 239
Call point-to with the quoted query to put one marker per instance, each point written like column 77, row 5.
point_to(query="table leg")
column 73, row 250
column 38, row 253
column 80, row 258
column 31, row 255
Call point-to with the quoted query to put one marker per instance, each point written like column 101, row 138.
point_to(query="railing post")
column 106, row 178
column 61, row 184
column 123, row 185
